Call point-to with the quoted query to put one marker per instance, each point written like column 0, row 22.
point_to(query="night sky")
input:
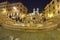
column 30, row 4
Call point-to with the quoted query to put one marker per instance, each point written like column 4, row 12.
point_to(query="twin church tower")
column 35, row 11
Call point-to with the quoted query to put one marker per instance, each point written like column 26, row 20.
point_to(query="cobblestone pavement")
column 42, row 35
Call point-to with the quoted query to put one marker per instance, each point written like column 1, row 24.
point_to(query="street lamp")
column 14, row 8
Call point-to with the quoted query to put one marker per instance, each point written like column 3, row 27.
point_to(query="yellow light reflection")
column 22, row 16
column 4, row 11
column 50, row 15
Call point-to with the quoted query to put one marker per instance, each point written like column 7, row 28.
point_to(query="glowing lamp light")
column 4, row 11
column 14, row 8
column 22, row 16
column 50, row 15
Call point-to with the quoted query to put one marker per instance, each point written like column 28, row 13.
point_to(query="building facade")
column 13, row 9
column 52, row 9
column 3, row 7
column 35, row 17
column 16, row 9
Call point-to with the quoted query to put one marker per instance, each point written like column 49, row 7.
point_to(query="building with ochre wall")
column 13, row 9
column 52, row 9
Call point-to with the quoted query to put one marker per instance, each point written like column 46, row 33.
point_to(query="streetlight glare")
column 50, row 15
column 14, row 8
column 23, row 15
column 4, row 11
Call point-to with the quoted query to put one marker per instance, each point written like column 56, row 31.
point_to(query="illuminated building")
column 52, row 9
column 13, row 9
column 16, row 9
column 16, row 14
column 35, row 17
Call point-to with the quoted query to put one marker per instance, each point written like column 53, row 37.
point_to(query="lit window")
column 14, row 8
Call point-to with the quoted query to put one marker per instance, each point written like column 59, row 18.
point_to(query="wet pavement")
column 18, row 35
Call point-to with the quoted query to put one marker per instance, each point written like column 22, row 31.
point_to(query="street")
column 42, row 35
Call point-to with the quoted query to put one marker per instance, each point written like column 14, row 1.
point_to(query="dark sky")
column 30, row 4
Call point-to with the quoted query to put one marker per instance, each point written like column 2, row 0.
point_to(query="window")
column 34, row 18
column 17, row 4
column 49, row 5
column 58, row 12
column 20, row 5
column 58, row 6
column 28, row 21
column 53, row 12
column 53, row 7
column 23, row 11
column 57, row 0
column 24, row 8
column 53, row 2
column 20, row 10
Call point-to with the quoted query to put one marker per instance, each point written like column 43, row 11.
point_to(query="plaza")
column 16, row 23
